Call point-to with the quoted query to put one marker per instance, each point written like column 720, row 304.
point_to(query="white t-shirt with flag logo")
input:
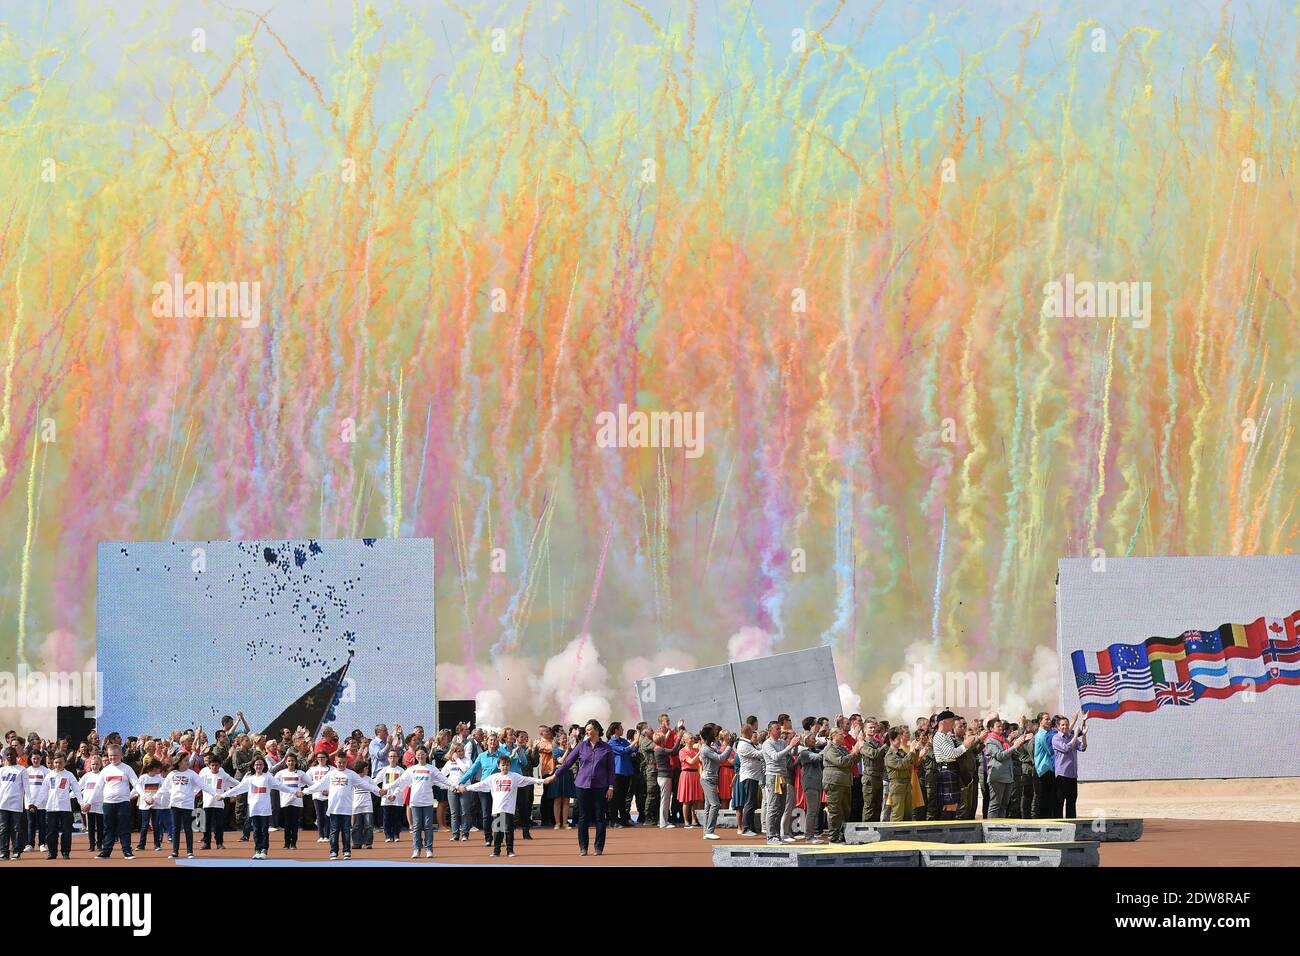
column 91, row 800
column 116, row 783
column 151, row 785
column 315, row 774
column 13, row 788
column 503, row 787
column 258, row 786
column 421, row 778
column 218, row 784
column 58, row 790
column 35, row 783
column 296, row 780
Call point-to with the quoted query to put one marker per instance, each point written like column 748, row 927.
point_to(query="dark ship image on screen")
column 314, row 709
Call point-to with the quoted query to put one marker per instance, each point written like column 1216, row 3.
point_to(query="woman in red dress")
column 726, row 772
column 690, row 792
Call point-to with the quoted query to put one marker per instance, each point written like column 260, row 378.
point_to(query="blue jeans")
column 393, row 816
column 421, row 827
column 261, row 832
column 156, row 817
column 460, row 812
column 182, row 824
column 340, row 829
column 117, row 827
column 363, row 829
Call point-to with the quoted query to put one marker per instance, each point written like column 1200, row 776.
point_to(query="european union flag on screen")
column 1203, row 642
column 1129, row 657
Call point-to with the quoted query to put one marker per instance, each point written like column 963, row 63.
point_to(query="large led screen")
column 1187, row 667
column 191, row 630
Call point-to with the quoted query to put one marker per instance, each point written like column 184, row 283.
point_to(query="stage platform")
column 1100, row 830
column 909, row 853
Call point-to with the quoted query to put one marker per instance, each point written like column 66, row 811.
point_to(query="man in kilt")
column 947, row 751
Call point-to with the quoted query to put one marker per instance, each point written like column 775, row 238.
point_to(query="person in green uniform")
column 968, row 773
column 874, row 748
column 902, row 755
column 837, row 781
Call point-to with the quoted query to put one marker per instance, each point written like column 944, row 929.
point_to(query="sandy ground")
column 1274, row 799
column 1164, row 843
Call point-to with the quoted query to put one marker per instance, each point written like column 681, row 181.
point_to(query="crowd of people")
column 807, row 782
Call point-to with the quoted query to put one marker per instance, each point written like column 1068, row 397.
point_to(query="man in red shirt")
column 328, row 743
column 670, row 739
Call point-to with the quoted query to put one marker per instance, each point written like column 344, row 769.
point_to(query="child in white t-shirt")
column 504, row 786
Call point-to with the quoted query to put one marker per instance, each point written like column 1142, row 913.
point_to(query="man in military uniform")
column 928, row 772
column 874, row 749
column 968, row 773
column 637, row 794
column 241, row 760
column 837, row 781
column 1026, row 781
column 649, row 803
column 901, row 755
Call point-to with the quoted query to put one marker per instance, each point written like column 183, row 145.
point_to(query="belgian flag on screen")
column 310, row 709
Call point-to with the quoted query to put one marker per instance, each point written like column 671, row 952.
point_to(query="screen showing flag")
column 1172, row 659
column 189, row 631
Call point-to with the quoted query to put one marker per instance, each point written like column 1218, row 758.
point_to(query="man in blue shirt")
column 1044, row 768
column 624, row 752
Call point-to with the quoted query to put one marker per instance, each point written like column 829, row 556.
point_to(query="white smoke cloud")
column 573, row 679
column 930, row 678
column 1043, row 692
column 588, row 706
column 850, row 702
column 749, row 643
column 490, row 709
column 511, row 679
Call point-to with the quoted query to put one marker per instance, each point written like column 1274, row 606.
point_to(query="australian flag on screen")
column 1180, row 671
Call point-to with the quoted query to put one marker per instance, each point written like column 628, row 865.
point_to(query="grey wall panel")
column 1137, row 598
column 800, row 683
column 697, row 697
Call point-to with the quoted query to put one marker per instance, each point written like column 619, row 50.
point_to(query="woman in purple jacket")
column 595, row 783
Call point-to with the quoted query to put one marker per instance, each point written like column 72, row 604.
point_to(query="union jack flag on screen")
column 1177, row 695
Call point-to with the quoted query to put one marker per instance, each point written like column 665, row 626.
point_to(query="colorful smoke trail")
column 829, row 231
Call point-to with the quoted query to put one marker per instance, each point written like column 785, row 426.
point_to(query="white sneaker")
column 670, row 826
column 322, row 839
column 415, row 854
column 347, row 856
column 43, row 848
column 189, row 856
column 273, row 830
column 27, row 848
column 428, row 854
column 334, row 856
column 712, row 836
column 788, row 839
